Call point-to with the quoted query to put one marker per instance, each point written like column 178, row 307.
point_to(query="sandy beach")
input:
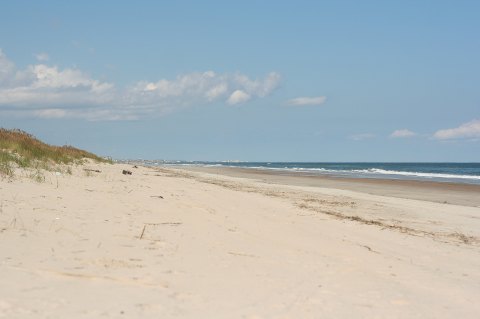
column 231, row 243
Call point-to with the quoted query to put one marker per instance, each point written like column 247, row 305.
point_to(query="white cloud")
column 47, row 91
column 42, row 57
column 41, row 86
column 361, row 136
column 203, row 87
column 318, row 100
column 216, row 91
column 238, row 96
column 402, row 133
column 51, row 113
column 466, row 130
column 260, row 88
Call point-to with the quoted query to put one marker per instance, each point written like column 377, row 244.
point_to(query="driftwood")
column 125, row 172
column 143, row 231
column 92, row 170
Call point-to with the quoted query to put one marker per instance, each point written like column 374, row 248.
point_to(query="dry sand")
column 170, row 243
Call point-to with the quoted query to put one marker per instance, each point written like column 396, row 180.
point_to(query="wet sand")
column 440, row 192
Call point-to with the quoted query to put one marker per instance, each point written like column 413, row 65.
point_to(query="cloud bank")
column 300, row 101
column 50, row 92
column 470, row 130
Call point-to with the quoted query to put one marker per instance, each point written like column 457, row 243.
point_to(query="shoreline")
column 439, row 192
column 382, row 171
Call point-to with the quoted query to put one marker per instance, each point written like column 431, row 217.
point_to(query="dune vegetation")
column 21, row 149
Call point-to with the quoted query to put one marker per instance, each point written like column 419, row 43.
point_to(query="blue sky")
column 250, row 80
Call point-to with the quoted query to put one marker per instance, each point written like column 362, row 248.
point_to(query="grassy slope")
column 23, row 149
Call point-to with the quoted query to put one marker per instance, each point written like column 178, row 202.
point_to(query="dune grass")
column 19, row 148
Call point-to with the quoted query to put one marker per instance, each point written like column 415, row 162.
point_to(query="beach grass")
column 21, row 149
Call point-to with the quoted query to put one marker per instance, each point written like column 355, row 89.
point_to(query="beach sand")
column 231, row 243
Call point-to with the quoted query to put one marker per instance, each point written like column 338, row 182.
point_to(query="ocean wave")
column 371, row 172
column 379, row 171
column 416, row 174
column 368, row 172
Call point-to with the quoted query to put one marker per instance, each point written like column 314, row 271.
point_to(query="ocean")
column 468, row 173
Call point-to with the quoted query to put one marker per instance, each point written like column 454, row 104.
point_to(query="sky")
column 246, row 80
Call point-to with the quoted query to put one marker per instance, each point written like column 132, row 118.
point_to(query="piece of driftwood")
column 92, row 170
column 135, row 166
column 125, row 172
column 143, row 231
column 157, row 196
